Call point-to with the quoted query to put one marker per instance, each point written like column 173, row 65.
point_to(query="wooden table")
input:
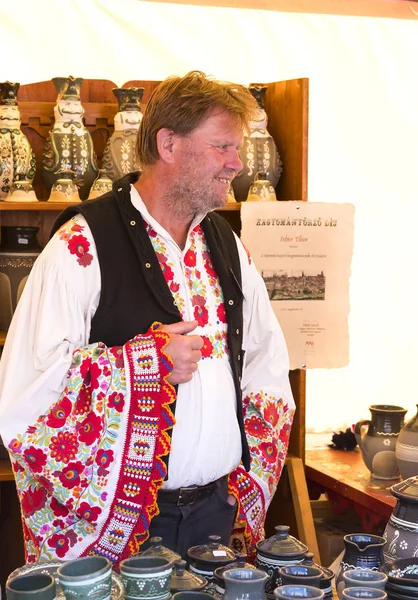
column 345, row 473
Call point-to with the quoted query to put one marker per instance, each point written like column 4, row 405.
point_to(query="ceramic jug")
column 377, row 439
column 17, row 160
column 69, row 146
column 119, row 157
column 401, row 531
column 327, row 575
column 362, row 551
column 244, row 584
column 259, row 152
column 407, row 448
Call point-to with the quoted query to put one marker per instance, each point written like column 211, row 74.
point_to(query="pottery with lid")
column 401, row 531
column 239, row 563
column 204, row 559
column 327, row 575
column 278, row 551
column 183, row 580
column 157, row 549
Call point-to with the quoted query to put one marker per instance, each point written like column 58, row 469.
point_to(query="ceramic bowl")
column 284, row 592
column 363, row 592
column 404, row 571
column 365, row 578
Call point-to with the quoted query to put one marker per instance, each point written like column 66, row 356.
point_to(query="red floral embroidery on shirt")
column 117, row 352
column 33, row 499
column 35, row 458
column 104, row 458
column 220, row 311
column 70, row 475
column 116, row 401
column 271, row 413
column 256, row 426
column 207, row 347
column 58, row 509
column 59, row 413
column 87, row 512
column 64, row 446
column 89, row 429
column 79, row 246
column 190, row 258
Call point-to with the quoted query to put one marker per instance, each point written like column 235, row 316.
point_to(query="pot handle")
column 360, row 424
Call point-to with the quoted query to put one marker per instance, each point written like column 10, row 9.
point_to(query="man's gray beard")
column 186, row 202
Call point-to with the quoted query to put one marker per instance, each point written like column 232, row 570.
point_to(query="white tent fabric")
column 363, row 141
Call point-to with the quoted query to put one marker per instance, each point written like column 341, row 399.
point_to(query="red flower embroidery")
column 269, row 451
column 89, row 429
column 58, row 509
column 256, row 427
column 79, row 246
column 210, row 270
column 284, row 434
column 60, row 543
column 83, row 402
column 103, row 459
column 167, row 271
column 271, row 414
column 220, row 311
column 90, row 373
column 207, row 347
column 117, row 352
column 201, row 315
column 77, row 228
column 33, row 499
column 70, row 475
column 190, row 258
column 59, row 413
column 174, row 287
column 64, row 446
column 116, row 401
column 87, row 512
column 162, row 258
column 35, row 458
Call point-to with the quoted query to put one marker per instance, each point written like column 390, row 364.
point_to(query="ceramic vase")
column 406, row 449
column 19, row 249
column 259, row 152
column 401, row 531
column 17, row 160
column 244, row 584
column 377, row 439
column 146, row 577
column 362, row 551
column 119, row 157
column 69, row 146
column 280, row 550
column 101, row 185
column 64, row 189
column 261, row 190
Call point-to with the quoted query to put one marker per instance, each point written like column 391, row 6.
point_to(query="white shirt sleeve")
column 51, row 320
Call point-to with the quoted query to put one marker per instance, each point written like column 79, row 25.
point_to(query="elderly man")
column 144, row 383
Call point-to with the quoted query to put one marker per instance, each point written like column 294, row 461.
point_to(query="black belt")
column 188, row 495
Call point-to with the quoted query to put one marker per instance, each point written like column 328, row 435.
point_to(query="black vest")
column 134, row 292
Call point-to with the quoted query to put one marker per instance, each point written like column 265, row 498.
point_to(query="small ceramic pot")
column 146, row 577
column 245, row 584
column 157, row 549
column 327, row 575
column 363, row 592
column 183, row 580
column 31, row 587
column 284, row 592
column 280, row 550
column 301, row 575
column 365, row 578
column 402, row 529
column 206, row 558
column 239, row 563
column 84, row 577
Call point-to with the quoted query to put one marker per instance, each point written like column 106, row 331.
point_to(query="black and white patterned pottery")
column 259, row 152
column 19, row 249
column 280, row 550
column 119, row 157
column 244, row 584
column 146, row 577
column 239, row 563
column 204, row 559
column 407, row 448
column 17, row 160
column 327, row 575
column 377, row 439
column 69, row 146
column 86, row 578
column 183, row 580
column 362, row 551
column 401, row 531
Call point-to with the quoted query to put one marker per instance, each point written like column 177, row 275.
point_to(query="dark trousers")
column 181, row 527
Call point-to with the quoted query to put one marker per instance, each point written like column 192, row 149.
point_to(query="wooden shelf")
column 6, row 471
column 59, row 206
column 2, row 337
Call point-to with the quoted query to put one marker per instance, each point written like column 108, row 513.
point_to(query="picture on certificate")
column 303, row 251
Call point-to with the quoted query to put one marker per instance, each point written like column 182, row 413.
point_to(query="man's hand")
column 184, row 351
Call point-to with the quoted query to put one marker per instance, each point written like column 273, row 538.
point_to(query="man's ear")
column 165, row 142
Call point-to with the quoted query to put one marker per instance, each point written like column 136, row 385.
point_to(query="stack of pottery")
column 362, row 551
column 259, row 152
column 403, row 579
column 17, row 160
column 377, row 439
column 19, row 249
column 69, row 146
column 401, row 531
column 280, row 550
column 119, row 157
column 327, row 575
column 204, row 559
column 407, row 448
